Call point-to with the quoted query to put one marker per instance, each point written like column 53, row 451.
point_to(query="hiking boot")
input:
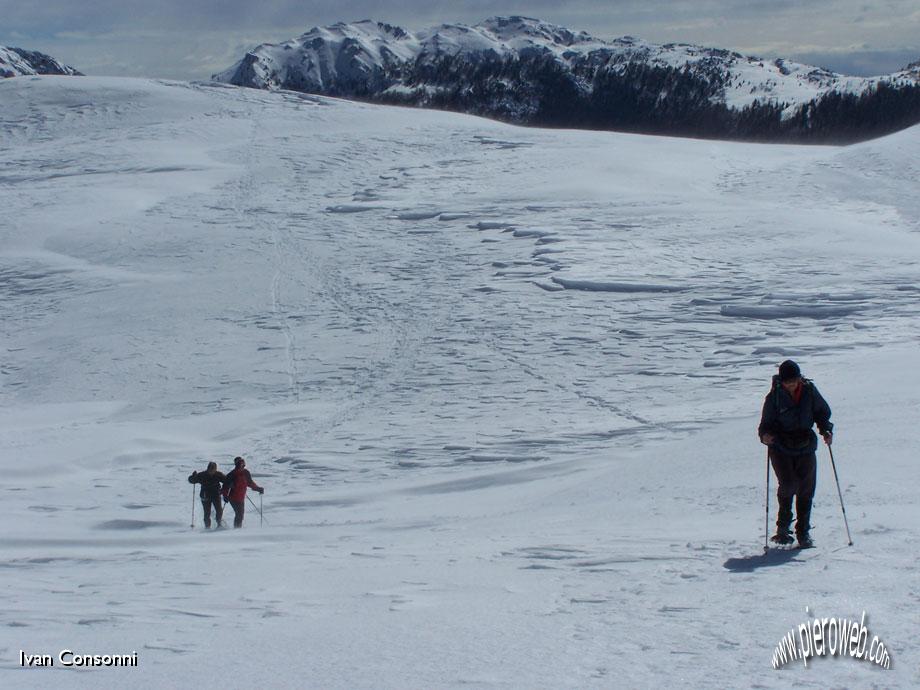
column 782, row 538
column 805, row 541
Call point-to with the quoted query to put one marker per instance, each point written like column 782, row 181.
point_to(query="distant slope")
column 530, row 72
column 16, row 62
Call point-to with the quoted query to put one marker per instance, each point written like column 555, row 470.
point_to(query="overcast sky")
column 192, row 39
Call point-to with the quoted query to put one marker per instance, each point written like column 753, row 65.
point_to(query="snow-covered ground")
column 501, row 386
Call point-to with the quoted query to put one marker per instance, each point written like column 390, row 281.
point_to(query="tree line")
column 636, row 97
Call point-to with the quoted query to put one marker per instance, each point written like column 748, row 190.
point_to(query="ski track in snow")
column 500, row 384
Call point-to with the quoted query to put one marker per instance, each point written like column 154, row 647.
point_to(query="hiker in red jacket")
column 238, row 480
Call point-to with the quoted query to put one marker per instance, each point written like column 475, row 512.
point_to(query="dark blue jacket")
column 210, row 484
column 791, row 423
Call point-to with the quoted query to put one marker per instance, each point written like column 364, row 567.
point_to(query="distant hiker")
column 210, row 481
column 790, row 409
column 235, row 489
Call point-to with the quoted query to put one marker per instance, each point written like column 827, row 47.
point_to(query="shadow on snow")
column 771, row 558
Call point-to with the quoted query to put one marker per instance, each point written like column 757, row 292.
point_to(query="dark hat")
column 789, row 371
column 212, row 465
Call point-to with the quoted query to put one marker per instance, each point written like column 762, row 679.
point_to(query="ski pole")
column 840, row 494
column 260, row 510
column 766, row 519
column 193, row 507
column 256, row 507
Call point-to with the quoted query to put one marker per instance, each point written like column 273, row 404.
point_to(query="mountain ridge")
column 18, row 62
column 526, row 71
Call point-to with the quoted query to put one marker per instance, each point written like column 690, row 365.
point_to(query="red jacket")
column 236, row 483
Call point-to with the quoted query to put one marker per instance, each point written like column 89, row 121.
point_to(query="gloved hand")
column 767, row 439
column 226, row 499
column 260, row 490
column 828, row 437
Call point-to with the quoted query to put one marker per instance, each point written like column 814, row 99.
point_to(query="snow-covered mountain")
column 16, row 62
column 528, row 71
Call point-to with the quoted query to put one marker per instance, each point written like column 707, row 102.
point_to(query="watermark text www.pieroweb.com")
column 831, row 637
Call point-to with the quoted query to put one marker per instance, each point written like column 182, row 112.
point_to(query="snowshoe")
column 805, row 542
column 782, row 539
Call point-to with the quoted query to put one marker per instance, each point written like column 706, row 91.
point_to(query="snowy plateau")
column 501, row 386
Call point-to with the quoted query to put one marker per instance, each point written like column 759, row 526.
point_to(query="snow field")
column 470, row 480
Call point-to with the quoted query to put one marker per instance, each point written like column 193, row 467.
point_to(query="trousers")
column 206, row 504
column 796, row 476
column 239, row 507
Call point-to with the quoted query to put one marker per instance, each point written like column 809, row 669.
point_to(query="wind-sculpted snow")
column 502, row 398
column 608, row 286
column 788, row 311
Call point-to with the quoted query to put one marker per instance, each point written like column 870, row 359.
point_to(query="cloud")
column 101, row 16
column 865, row 63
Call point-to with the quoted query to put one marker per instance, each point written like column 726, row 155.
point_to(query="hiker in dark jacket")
column 235, row 487
column 210, row 481
column 792, row 407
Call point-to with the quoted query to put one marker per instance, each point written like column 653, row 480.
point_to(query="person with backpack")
column 210, row 493
column 238, row 480
column 790, row 410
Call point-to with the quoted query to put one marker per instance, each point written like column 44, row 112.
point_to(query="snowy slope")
column 15, row 62
column 501, row 386
column 374, row 58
